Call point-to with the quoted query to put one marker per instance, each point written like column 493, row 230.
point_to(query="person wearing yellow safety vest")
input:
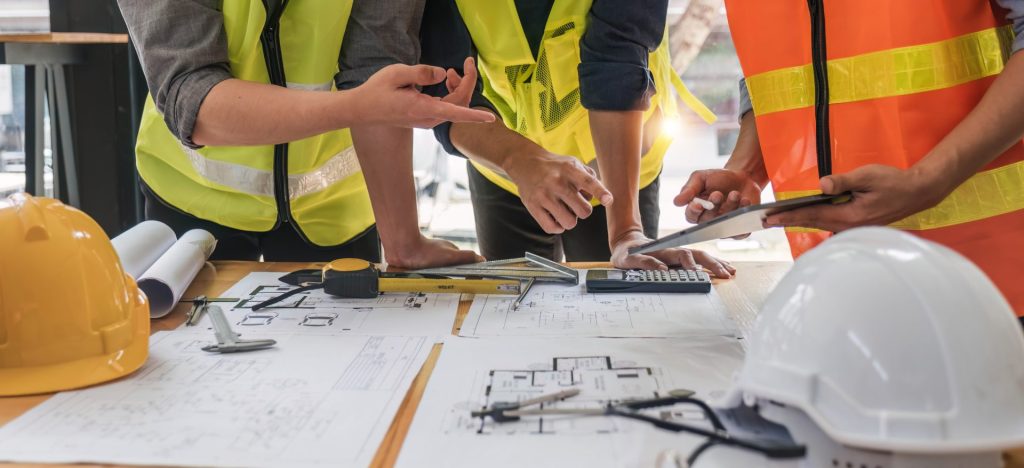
column 917, row 108
column 581, row 88
column 247, row 136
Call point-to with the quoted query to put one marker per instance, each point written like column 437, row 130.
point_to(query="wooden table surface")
column 65, row 38
column 742, row 295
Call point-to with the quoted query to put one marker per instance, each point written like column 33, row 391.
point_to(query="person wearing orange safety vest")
column 916, row 108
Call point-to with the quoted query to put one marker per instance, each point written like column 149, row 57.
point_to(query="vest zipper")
column 270, row 39
column 819, row 62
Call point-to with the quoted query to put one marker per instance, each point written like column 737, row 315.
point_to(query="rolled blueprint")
column 141, row 246
column 167, row 279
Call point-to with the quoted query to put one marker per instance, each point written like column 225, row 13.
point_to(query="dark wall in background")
column 101, row 107
column 86, row 16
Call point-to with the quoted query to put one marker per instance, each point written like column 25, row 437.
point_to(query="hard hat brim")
column 21, row 381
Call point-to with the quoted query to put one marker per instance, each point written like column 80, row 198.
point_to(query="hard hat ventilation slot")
column 32, row 218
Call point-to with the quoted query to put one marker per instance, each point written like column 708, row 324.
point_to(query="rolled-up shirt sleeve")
column 614, row 73
column 183, row 51
column 379, row 33
column 1015, row 14
column 745, row 104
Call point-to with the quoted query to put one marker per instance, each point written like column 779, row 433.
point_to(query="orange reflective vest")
column 838, row 84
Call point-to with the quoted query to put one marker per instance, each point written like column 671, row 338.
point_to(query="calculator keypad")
column 683, row 276
column 648, row 281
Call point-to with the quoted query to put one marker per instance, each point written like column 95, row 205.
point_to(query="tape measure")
column 351, row 277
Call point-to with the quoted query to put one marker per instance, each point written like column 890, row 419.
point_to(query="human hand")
column 727, row 189
column 556, row 190
column 880, row 195
column 391, row 97
column 429, row 253
column 663, row 259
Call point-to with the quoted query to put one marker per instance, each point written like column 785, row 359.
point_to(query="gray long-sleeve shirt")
column 183, row 49
column 1015, row 14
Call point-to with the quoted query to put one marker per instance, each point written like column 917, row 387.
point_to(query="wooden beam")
column 688, row 33
column 66, row 38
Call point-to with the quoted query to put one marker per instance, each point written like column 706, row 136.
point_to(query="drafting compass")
column 773, row 440
column 199, row 305
column 227, row 340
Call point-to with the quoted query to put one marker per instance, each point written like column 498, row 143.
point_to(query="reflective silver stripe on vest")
column 311, row 87
column 339, row 167
column 258, row 182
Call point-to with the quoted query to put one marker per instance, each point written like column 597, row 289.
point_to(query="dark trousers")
column 505, row 229
column 282, row 244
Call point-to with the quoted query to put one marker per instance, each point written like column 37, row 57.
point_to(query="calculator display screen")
column 615, row 274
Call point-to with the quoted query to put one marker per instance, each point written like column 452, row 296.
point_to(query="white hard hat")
column 890, row 342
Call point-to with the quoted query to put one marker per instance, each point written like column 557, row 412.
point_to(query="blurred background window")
column 17, row 17
column 24, row 16
column 702, row 50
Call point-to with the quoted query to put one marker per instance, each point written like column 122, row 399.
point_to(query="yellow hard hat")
column 69, row 315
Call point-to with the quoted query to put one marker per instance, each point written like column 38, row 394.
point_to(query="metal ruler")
column 528, row 270
column 530, row 267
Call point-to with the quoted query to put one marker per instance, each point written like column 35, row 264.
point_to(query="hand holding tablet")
column 741, row 221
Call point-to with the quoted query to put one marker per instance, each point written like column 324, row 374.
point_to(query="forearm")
column 385, row 156
column 996, row 123
column 240, row 113
column 747, row 157
column 493, row 145
column 617, row 140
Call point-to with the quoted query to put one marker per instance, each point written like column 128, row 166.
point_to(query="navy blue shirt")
column 614, row 74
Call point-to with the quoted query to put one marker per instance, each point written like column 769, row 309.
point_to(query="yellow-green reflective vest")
column 539, row 97
column 238, row 186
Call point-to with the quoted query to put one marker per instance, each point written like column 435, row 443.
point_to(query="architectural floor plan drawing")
column 312, row 401
column 558, row 310
column 604, row 381
column 317, row 312
column 477, row 374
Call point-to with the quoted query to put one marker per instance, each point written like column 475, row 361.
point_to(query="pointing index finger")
column 693, row 187
column 589, row 184
column 447, row 111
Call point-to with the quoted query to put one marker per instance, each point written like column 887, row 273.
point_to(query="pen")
column 523, row 290
column 706, row 204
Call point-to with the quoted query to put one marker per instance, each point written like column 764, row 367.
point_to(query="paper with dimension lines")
column 312, row 401
column 559, row 310
column 318, row 312
column 474, row 374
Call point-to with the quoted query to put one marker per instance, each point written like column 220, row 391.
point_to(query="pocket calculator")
column 648, row 281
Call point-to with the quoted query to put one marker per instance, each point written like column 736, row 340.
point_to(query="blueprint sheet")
column 475, row 374
column 318, row 312
column 312, row 401
column 560, row 310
